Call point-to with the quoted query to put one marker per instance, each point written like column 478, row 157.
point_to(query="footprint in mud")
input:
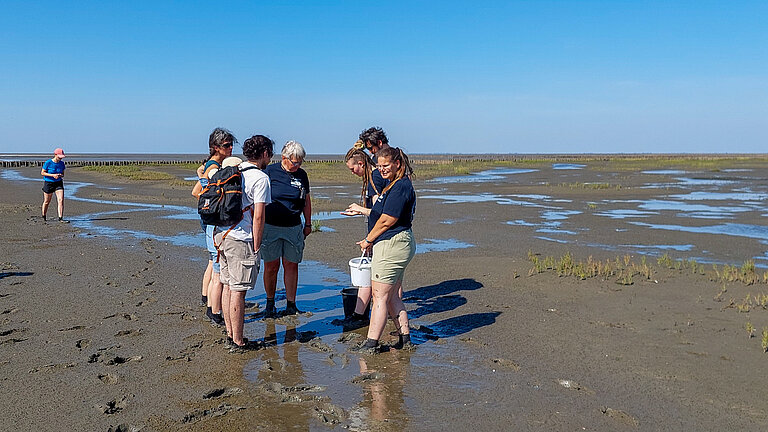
column 187, row 353
column 77, row 327
column 620, row 416
column 52, row 367
column 222, row 393
column 114, row 406
column 573, row 385
column 12, row 341
column 108, row 378
column 198, row 414
column 508, row 364
column 118, row 360
column 295, row 394
column 329, row 414
column 4, row 295
column 146, row 301
column 9, row 311
column 124, row 427
column 138, row 332
column 12, row 331
column 83, row 343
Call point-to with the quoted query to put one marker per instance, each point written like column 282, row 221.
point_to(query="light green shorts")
column 282, row 242
column 391, row 256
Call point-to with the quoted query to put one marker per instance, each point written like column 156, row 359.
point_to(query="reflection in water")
column 722, row 196
column 436, row 245
column 479, row 198
column 492, row 175
column 382, row 404
column 731, row 229
column 664, row 172
column 566, row 166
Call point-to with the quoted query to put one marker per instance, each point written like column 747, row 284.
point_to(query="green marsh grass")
column 623, row 268
column 750, row 329
column 765, row 339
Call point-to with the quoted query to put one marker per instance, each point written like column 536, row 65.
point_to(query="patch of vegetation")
column 622, row 267
column 316, row 225
column 680, row 264
column 745, row 274
column 750, row 329
column 660, row 162
column 593, row 186
column 765, row 339
column 132, row 172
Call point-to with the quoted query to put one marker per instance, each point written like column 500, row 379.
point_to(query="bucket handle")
column 360, row 263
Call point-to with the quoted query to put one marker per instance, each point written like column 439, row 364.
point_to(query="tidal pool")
column 491, row 175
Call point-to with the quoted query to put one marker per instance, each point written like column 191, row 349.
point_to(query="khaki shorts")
column 283, row 242
column 239, row 265
column 391, row 256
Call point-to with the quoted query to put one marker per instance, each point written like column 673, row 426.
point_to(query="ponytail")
column 357, row 154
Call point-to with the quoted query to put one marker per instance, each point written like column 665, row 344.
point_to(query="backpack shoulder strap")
column 247, row 168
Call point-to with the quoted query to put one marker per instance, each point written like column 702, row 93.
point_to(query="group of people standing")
column 277, row 218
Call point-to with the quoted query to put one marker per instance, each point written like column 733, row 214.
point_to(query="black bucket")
column 349, row 300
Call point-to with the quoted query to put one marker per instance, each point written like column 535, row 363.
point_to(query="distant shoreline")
column 10, row 160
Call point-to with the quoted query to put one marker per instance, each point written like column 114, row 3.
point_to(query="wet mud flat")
column 100, row 316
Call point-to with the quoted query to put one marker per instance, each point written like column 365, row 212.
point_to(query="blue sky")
column 438, row 76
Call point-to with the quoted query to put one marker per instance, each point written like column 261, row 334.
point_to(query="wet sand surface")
column 100, row 327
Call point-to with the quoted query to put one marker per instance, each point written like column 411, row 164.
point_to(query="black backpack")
column 220, row 202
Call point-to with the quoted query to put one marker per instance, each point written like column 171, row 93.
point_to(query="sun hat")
column 228, row 162
column 59, row 152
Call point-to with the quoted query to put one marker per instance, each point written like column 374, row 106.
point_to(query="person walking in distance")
column 53, row 183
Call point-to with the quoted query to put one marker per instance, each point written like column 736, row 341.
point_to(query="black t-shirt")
column 380, row 183
column 289, row 195
column 400, row 202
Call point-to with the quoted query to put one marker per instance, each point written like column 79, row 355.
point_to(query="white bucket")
column 360, row 271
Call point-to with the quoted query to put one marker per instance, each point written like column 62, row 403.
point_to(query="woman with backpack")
column 220, row 144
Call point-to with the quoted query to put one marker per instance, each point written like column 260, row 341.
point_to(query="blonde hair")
column 357, row 154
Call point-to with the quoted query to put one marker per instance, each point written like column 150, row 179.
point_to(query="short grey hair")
column 294, row 149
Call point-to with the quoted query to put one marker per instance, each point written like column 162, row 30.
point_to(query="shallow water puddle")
column 491, row 175
column 664, row 172
column 480, row 198
column 730, row 229
column 437, row 245
column 308, row 355
column 567, row 166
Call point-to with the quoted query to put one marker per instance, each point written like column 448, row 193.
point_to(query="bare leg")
column 60, row 202
column 396, row 309
column 214, row 293
column 270, row 277
column 236, row 315
column 291, row 279
column 226, row 296
column 207, row 278
column 46, row 201
column 381, row 294
column 363, row 297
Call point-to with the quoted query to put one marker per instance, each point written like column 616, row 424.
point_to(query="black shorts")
column 51, row 187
